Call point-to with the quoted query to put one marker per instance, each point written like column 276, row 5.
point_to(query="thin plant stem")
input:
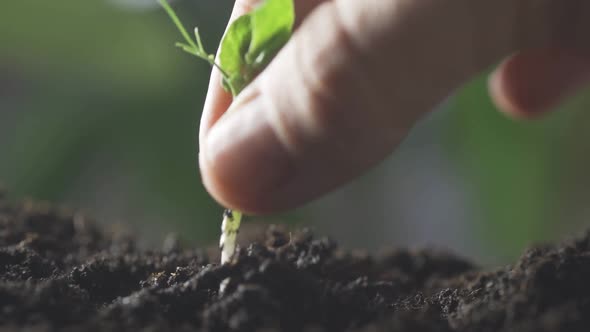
column 177, row 22
column 232, row 219
column 191, row 47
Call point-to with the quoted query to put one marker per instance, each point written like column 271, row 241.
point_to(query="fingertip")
column 242, row 161
column 504, row 99
column 240, row 166
column 532, row 83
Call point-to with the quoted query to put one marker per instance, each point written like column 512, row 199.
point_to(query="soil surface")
column 58, row 271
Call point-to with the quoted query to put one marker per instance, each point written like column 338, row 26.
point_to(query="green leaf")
column 232, row 56
column 253, row 40
column 272, row 25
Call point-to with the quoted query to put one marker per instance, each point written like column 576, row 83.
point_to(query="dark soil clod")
column 58, row 271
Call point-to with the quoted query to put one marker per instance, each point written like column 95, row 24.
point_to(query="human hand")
column 356, row 77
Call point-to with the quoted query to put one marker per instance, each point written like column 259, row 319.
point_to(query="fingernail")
column 245, row 155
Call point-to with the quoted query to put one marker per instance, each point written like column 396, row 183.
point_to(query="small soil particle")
column 59, row 271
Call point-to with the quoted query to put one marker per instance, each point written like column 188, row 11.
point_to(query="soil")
column 59, row 271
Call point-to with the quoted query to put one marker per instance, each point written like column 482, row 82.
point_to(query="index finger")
column 218, row 100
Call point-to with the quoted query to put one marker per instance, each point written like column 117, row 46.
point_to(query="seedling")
column 247, row 47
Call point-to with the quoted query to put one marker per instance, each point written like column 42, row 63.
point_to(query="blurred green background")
column 98, row 110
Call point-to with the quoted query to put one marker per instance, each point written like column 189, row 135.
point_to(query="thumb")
column 344, row 92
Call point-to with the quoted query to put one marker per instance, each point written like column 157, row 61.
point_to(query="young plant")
column 247, row 47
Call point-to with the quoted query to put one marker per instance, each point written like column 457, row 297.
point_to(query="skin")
column 356, row 77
